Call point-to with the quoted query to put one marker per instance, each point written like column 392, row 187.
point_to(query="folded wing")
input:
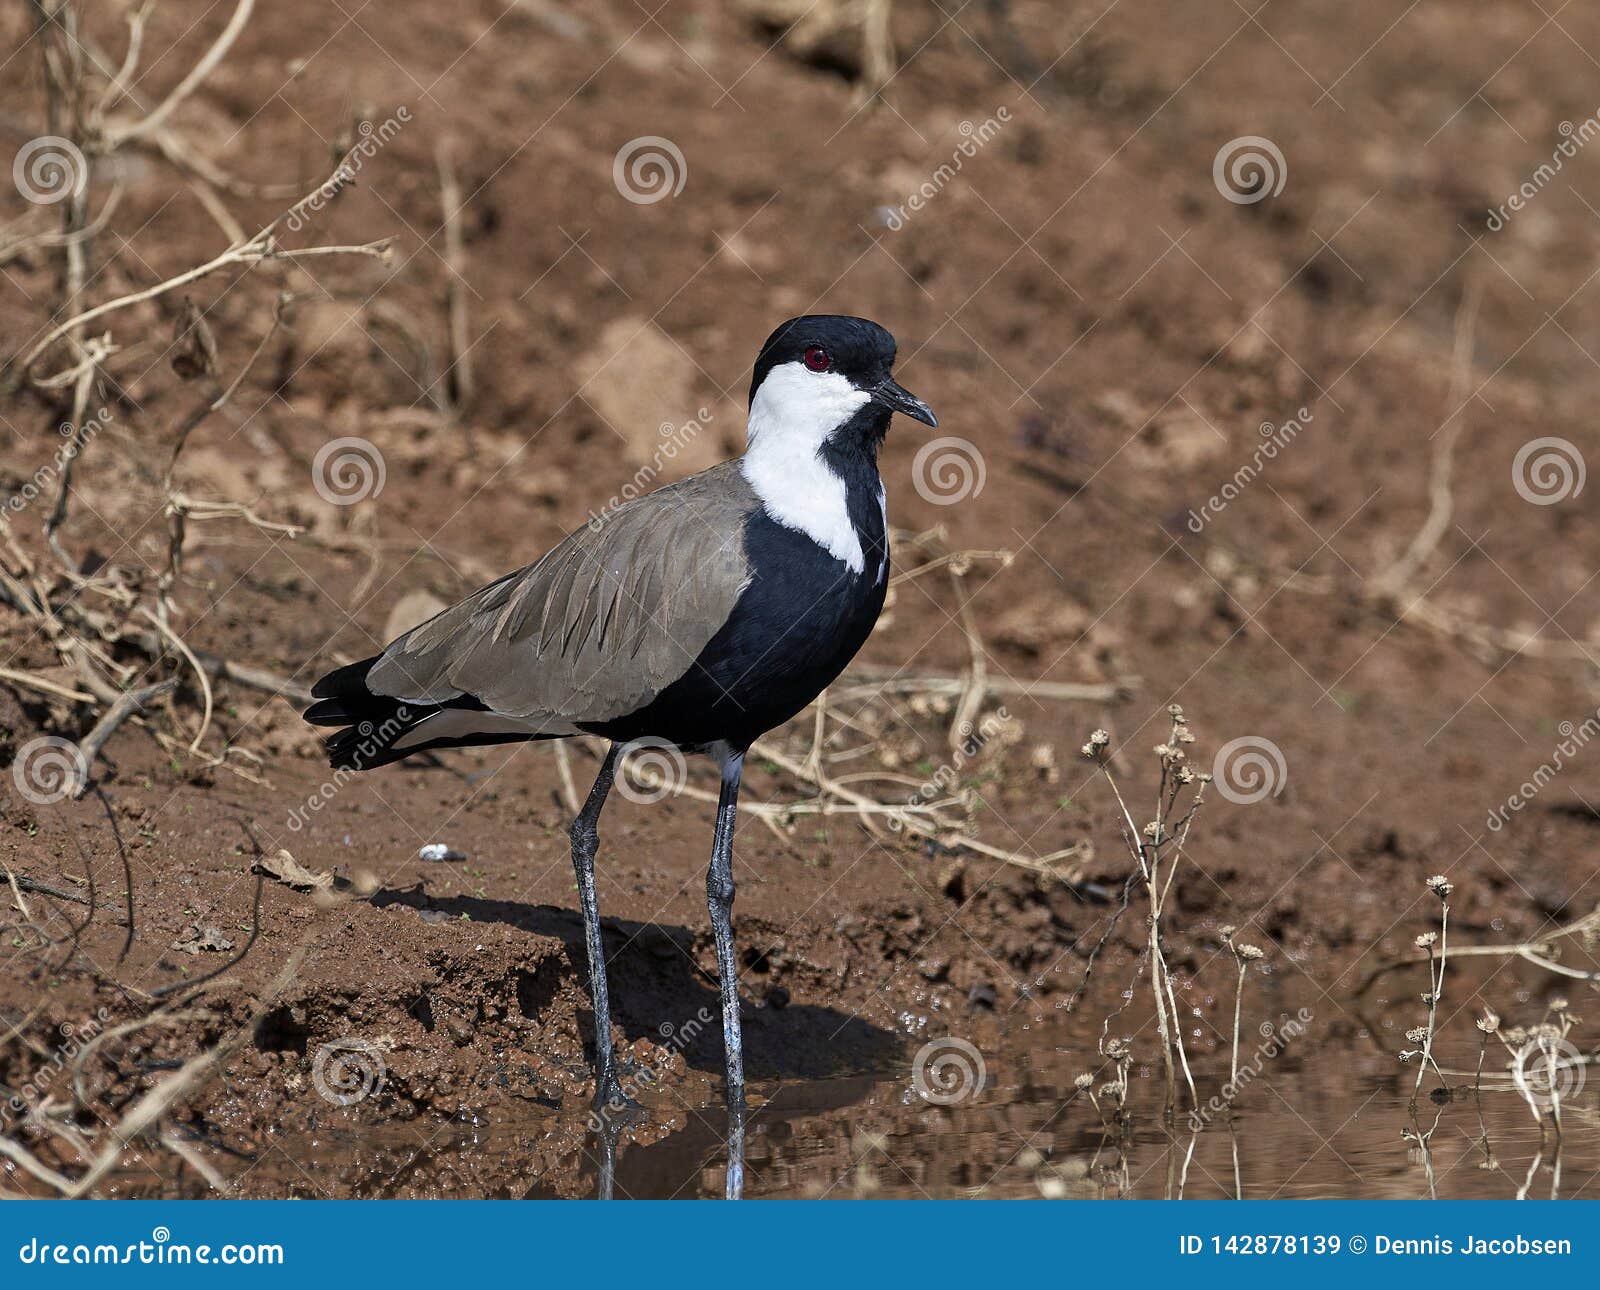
column 595, row 630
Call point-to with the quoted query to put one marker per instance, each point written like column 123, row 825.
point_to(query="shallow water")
column 1319, row 1115
column 1310, row 1131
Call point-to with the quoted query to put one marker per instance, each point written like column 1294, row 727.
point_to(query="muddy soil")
column 1113, row 335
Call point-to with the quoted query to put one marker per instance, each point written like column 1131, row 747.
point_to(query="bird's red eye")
column 817, row 358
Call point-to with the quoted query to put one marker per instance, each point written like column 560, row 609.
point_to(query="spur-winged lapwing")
column 703, row 614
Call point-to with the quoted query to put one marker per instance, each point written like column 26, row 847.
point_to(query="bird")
column 698, row 616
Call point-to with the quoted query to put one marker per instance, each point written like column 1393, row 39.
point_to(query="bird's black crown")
column 856, row 348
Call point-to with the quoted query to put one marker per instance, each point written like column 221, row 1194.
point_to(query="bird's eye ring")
column 817, row 358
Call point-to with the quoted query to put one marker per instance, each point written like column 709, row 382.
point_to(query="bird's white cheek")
column 791, row 416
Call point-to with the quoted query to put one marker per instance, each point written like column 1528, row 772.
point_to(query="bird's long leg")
column 719, row 900
column 585, row 835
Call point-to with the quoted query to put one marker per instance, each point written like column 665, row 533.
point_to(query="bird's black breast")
column 802, row 618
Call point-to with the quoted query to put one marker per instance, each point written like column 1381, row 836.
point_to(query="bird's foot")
column 612, row 1103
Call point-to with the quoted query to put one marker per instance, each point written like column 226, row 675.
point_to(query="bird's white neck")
column 791, row 417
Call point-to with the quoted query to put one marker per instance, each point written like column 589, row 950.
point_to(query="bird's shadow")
column 659, row 992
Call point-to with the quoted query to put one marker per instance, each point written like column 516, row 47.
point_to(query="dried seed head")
column 1084, row 1082
column 1440, row 886
column 1489, row 1022
column 1426, row 940
column 194, row 348
column 1429, row 999
column 1227, row 930
column 1558, row 1004
column 1097, row 744
column 1417, row 1034
column 1185, row 775
column 1249, row 953
column 1175, row 711
column 1153, row 829
column 1112, row 1090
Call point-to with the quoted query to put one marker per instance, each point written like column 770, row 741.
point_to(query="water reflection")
column 1329, row 1120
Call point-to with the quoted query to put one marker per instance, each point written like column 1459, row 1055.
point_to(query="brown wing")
column 598, row 627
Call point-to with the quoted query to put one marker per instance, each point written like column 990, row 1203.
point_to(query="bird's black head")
column 826, row 367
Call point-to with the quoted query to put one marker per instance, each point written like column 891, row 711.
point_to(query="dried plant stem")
column 118, row 133
column 262, row 246
column 1238, row 1007
column 455, row 260
column 129, row 702
column 1539, row 952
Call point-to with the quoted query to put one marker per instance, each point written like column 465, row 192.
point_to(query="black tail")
column 374, row 723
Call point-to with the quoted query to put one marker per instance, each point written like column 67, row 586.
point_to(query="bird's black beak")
column 891, row 394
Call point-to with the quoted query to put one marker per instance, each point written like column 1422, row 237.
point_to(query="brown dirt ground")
column 1079, row 302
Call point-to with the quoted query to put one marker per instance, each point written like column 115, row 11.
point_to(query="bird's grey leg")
column 719, row 900
column 736, row 1123
column 585, row 835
